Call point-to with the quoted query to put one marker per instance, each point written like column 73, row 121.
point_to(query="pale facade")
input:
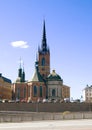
column 54, row 83
column 87, row 94
column 56, row 89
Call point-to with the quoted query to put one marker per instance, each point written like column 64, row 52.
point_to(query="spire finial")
column 20, row 61
column 23, row 66
column 23, row 74
column 20, row 69
column 44, row 32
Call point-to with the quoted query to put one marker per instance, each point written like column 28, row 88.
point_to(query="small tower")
column 44, row 56
column 23, row 75
column 20, row 70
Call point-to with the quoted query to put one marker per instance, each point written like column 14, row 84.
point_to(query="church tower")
column 21, row 74
column 44, row 56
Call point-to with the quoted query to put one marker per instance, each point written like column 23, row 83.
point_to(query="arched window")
column 35, row 91
column 28, row 91
column 18, row 93
column 40, row 91
column 53, row 92
column 25, row 92
column 43, row 61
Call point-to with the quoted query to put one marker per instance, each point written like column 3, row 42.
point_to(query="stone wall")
column 46, row 107
column 29, row 116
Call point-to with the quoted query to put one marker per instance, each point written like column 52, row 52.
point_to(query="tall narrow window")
column 25, row 92
column 53, row 92
column 18, row 93
column 28, row 91
column 35, row 91
column 43, row 61
column 40, row 91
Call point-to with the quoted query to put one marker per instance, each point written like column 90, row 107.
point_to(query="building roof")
column 88, row 87
column 54, row 76
column 37, row 76
column 5, row 79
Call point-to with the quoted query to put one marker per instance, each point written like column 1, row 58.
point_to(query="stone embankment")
column 16, row 116
column 18, row 112
column 46, row 107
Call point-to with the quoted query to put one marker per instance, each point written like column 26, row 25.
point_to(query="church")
column 44, row 84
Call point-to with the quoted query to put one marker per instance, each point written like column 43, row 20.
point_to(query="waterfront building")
column 56, row 89
column 5, row 88
column 37, row 87
column 43, row 84
column 87, row 93
column 20, row 86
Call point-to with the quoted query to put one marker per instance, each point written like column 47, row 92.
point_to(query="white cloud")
column 20, row 44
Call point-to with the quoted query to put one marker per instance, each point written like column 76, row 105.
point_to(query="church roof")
column 37, row 76
column 54, row 76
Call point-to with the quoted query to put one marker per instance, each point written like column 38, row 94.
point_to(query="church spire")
column 20, row 69
column 44, row 48
column 44, row 42
column 23, row 74
column 44, row 33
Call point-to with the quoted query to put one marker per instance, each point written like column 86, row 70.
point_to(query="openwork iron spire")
column 44, row 42
column 44, row 48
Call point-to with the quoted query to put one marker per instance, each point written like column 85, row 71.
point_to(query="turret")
column 21, row 74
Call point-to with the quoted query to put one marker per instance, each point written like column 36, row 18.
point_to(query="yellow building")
column 5, row 88
column 65, row 91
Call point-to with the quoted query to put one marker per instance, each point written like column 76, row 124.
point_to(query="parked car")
column 56, row 101
column 23, row 101
column 17, row 101
column 29, row 101
column 11, row 101
column 49, row 100
column 44, row 100
column 39, row 100
column 0, row 100
column 66, row 100
column 5, row 100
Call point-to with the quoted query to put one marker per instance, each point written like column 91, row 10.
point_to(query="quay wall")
column 37, row 116
column 46, row 107
column 19, row 112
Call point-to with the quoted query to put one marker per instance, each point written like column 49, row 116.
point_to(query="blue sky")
column 69, row 36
